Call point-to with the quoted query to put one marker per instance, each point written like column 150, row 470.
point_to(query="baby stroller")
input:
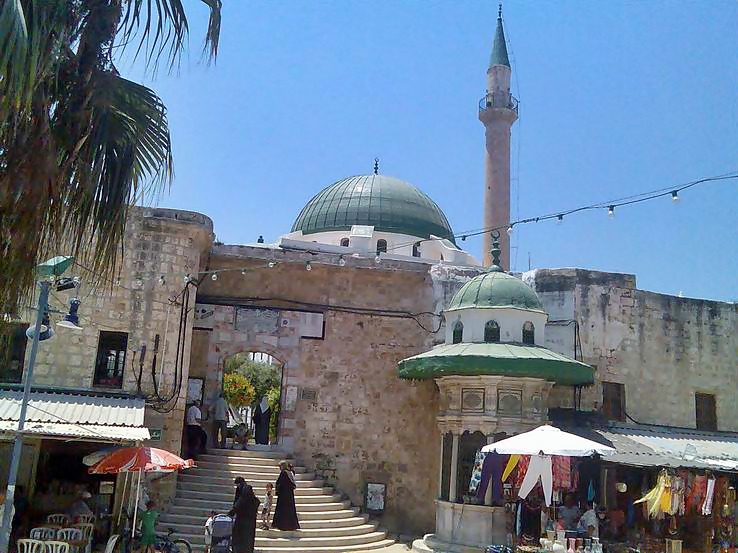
column 221, row 536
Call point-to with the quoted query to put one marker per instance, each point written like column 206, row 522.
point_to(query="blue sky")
column 616, row 98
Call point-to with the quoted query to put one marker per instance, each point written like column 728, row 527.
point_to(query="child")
column 148, row 527
column 266, row 510
column 209, row 531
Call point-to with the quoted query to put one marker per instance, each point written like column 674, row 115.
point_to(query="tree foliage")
column 237, row 390
column 263, row 376
column 79, row 143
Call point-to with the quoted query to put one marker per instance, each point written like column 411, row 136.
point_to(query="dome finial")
column 376, row 165
column 499, row 11
column 495, row 251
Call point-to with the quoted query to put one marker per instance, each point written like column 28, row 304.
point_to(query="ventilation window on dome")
column 458, row 332
column 381, row 246
column 491, row 332
column 344, row 242
column 529, row 333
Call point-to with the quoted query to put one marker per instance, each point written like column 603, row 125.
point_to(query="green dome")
column 496, row 289
column 386, row 203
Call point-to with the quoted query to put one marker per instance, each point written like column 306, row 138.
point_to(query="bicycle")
column 129, row 543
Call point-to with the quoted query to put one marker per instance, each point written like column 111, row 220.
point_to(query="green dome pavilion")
column 496, row 289
column 386, row 203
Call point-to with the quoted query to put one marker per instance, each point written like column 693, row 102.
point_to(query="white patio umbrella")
column 548, row 440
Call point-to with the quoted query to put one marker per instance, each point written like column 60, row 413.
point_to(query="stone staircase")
column 328, row 524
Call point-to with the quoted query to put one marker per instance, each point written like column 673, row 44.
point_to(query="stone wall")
column 157, row 242
column 662, row 348
column 362, row 424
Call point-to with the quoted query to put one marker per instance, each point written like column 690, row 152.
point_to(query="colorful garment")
column 561, row 467
column 709, row 496
column 539, row 467
column 476, row 475
column 521, row 469
column 512, row 462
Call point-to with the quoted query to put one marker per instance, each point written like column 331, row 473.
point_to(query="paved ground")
column 397, row 548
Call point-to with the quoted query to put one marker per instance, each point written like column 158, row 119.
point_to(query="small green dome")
column 386, row 203
column 496, row 289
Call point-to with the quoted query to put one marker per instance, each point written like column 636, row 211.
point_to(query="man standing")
column 194, row 430
column 221, row 422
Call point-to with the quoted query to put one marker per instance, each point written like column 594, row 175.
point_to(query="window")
column 12, row 352
column 705, row 411
column 613, row 401
column 345, row 242
column 491, row 332
column 416, row 249
column 458, row 332
column 111, row 359
column 529, row 333
column 381, row 246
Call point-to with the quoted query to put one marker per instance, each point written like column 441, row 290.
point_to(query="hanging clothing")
column 262, row 415
column 512, row 462
column 476, row 475
column 561, row 467
column 521, row 469
column 706, row 508
column 653, row 499
column 285, row 515
column 530, row 520
column 539, row 467
column 491, row 474
column 244, row 512
column 697, row 493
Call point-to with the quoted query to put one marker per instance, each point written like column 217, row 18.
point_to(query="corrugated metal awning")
column 88, row 416
column 655, row 446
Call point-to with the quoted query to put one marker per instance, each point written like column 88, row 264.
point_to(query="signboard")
column 311, row 324
column 290, row 398
column 204, row 316
column 257, row 320
column 374, row 498
column 155, row 434
column 194, row 389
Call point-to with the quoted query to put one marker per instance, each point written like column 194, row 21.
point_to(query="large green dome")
column 386, row 203
column 496, row 289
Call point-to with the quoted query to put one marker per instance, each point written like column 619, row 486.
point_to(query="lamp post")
column 51, row 268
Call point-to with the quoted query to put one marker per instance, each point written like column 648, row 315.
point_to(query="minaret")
column 498, row 110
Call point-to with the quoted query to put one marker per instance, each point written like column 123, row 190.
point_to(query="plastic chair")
column 59, row 518
column 57, row 547
column 69, row 534
column 43, row 534
column 87, row 530
column 86, row 519
column 30, row 546
column 112, row 543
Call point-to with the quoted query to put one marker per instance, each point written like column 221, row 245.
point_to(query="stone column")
column 440, row 469
column 454, row 467
column 488, row 495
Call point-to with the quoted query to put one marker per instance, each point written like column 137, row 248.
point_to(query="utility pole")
column 43, row 302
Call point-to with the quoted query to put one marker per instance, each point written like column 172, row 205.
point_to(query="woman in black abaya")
column 285, row 515
column 245, row 508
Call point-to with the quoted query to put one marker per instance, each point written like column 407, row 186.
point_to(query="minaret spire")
column 498, row 110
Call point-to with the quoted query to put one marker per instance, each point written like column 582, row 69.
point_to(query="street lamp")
column 40, row 331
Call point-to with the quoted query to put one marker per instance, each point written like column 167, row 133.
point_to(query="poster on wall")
column 257, row 320
column 204, row 316
column 374, row 497
column 195, row 388
column 311, row 324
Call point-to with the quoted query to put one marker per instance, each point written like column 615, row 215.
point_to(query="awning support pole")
column 135, row 510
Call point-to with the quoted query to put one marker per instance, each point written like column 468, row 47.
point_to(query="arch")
column 381, row 246
column 491, row 332
column 416, row 249
column 458, row 332
column 345, row 242
column 469, row 444
column 529, row 333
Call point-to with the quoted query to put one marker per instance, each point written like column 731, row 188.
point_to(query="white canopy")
column 548, row 440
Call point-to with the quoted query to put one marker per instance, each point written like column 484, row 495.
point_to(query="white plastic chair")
column 112, row 543
column 42, row 534
column 59, row 518
column 69, row 534
column 86, row 519
column 30, row 546
column 86, row 529
column 57, row 547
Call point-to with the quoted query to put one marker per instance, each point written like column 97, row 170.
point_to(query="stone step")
column 195, row 533
column 329, row 549
column 246, row 466
column 228, row 497
column 232, row 473
column 301, row 538
column 258, row 486
column 228, row 481
column 327, row 519
column 204, row 506
column 249, row 459
column 251, row 452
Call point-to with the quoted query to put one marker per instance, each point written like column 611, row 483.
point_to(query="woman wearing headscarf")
column 244, row 511
column 285, row 515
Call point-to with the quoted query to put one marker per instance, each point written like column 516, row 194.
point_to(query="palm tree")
column 79, row 143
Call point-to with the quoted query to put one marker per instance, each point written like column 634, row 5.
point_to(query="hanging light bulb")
column 162, row 280
column 675, row 197
column 271, row 264
column 611, row 212
column 509, row 230
column 341, row 261
column 71, row 319
column 559, row 219
column 243, row 272
column 214, row 277
column 308, row 266
column 377, row 259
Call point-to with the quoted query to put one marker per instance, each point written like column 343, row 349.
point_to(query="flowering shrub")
column 237, row 390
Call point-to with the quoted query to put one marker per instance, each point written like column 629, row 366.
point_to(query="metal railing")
column 488, row 101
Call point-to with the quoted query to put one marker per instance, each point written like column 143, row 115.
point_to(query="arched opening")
column 458, row 333
column 381, row 246
column 491, row 332
column 529, row 333
column 344, row 242
column 252, row 386
column 416, row 249
column 469, row 444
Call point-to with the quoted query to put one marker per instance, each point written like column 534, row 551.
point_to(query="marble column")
column 454, row 467
column 440, row 469
column 488, row 494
